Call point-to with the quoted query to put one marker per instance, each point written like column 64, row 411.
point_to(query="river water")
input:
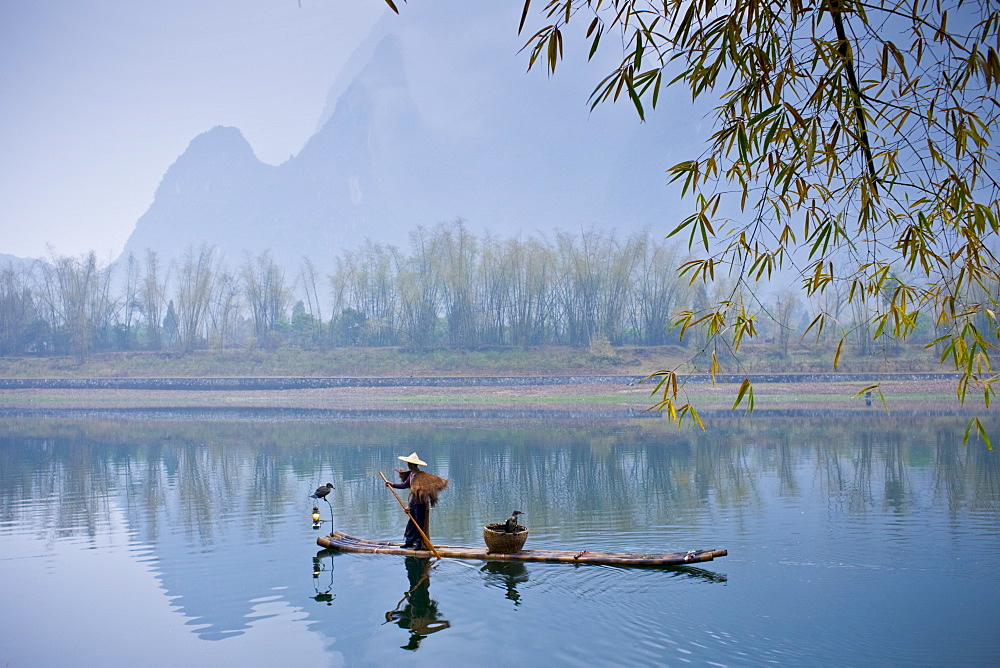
column 861, row 541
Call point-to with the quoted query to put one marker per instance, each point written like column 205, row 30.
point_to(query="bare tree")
column 267, row 295
column 459, row 256
column 420, row 291
column 364, row 288
column 20, row 323
column 129, row 306
column 658, row 293
column 194, row 291
column 313, row 304
column 495, row 285
column 73, row 289
column 783, row 311
column 224, row 311
column 153, row 295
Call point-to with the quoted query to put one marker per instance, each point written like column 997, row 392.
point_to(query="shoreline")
column 916, row 392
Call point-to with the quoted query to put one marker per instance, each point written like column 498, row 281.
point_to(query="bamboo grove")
column 448, row 288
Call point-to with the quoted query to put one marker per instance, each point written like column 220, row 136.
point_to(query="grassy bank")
column 398, row 362
column 921, row 395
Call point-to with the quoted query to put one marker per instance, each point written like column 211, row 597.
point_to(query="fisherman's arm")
column 405, row 484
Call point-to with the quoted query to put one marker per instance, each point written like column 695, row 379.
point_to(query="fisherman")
column 424, row 489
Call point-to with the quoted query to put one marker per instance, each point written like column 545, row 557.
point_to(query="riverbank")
column 553, row 378
column 931, row 393
column 755, row 358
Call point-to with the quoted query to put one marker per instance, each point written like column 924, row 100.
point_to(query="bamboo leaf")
column 881, row 398
column 968, row 431
column 819, row 322
column 635, row 99
column 697, row 418
column 524, row 15
column 595, row 42
column 745, row 391
column 984, row 434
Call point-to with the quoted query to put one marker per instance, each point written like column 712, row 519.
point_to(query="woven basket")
column 499, row 542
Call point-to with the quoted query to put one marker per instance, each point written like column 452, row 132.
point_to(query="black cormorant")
column 511, row 524
column 322, row 491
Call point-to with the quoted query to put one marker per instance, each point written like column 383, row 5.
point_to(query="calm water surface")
column 851, row 542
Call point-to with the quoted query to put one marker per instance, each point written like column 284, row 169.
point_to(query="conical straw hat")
column 413, row 459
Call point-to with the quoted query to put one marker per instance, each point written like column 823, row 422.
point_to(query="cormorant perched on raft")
column 511, row 524
column 322, row 491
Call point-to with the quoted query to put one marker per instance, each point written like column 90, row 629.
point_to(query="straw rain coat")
column 424, row 490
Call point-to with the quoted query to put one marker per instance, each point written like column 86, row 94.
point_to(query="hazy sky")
column 99, row 97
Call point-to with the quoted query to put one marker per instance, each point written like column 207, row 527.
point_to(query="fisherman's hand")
column 388, row 484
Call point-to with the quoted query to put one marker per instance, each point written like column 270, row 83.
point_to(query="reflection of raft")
column 341, row 541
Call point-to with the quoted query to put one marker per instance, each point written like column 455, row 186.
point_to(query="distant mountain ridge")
column 412, row 141
column 7, row 260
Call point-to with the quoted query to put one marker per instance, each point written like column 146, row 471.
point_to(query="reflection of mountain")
column 412, row 137
column 204, row 505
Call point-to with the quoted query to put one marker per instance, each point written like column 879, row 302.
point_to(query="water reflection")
column 507, row 575
column 696, row 573
column 217, row 513
column 322, row 585
column 193, row 480
column 417, row 612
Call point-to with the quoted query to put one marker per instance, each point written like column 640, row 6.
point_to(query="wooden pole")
column 427, row 541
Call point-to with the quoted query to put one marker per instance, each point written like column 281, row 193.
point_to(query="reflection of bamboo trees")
column 954, row 486
column 861, row 493
column 831, row 470
column 151, row 490
column 191, row 478
column 986, row 480
column 895, row 476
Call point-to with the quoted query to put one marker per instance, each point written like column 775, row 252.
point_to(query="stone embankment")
column 299, row 383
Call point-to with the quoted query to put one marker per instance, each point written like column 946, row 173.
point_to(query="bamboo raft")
column 338, row 540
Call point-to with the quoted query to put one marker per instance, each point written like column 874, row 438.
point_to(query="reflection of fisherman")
column 420, row 614
column 424, row 489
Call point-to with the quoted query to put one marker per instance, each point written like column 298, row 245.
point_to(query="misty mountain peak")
column 220, row 146
column 418, row 136
column 385, row 69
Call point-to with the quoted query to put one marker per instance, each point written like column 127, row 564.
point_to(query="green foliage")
column 852, row 147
